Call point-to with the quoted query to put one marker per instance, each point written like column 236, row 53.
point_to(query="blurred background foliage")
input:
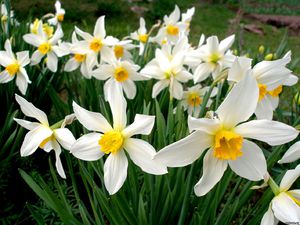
column 53, row 93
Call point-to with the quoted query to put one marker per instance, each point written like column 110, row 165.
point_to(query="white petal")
column 57, row 36
column 99, row 30
column 268, row 218
column 71, row 65
column 118, row 106
column 240, row 103
column 186, row 150
column 212, row 44
column 103, row 72
column 285, row 209
column 252, row 164
column 36, row 57
column 213, row 170
column 5, row 77
column 289, row 178
column 23, row 58
column 142, row 124
column 129, row 89
column 87, row 147
column 33, row 39
column 202, row 72
column 65, row 137
column 142, row 153
column 176, row 89
column 271, row 132
column 21, row 83
column 292, row 154
column 27, row 124
column 58, row 163
column 31, row 111
column 264, row 109
column 91, row 120
column 226, row 43
column 115, row 171
column 33, row 139
column 52, row 61
column 209, row 126
column 158, row 87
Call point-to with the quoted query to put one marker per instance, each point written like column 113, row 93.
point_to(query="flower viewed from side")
column 213, row 58
column 225, row 136
column 84, row 61
column 118, row 73
column 46, row 28
column 41, row 135
column 193, row 97
column 96, row 43
column 169, row 71
column 59, row 15
column 270, row 76
column 285, row 206
column 141, row 35
column 14, row 67
column 47, row 47
column 115, row 141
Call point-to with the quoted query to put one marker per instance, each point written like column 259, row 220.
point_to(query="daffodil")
column 46, row 28
column 172, row 28
column 169, row 71
column 118, row 73
column 96, row 43
column 47, row 47
column 193, row 97
column 270, row 76
column 214, row 58
column 115, row 140
column 78, row 59
column 225, row 136
column 285, row 206
column 122, row 49
column 14, row 67
column 5, row 15
column 41, row 135
column 59, row 14
column 141, row 35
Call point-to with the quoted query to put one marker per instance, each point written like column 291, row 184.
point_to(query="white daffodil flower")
column 122, row 49
column 49, row 30
column 193, row 97
column 169, row 71
column 46, row 47
column 226, row 136
column 41, row 135
column 292, row 154
column 14, row 66
column 115, row 141
column 141, row 35
column 59, row 14
column 4, row 15
column 186, row 18
column 119, row 74
column 213, row 58
column 96, row 43
column 285, row 206
column 172, row 28
column 270, row 77
column 84, row 61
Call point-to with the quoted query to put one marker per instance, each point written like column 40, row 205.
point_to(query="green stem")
column 273, row 186
column 57, row 125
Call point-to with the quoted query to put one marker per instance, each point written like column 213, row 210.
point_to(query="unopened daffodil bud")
column 269, row 57
column 261, row 49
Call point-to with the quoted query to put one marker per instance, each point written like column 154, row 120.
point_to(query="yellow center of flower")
column 44, row 48
column 45, row 141
column 227, row 145
column 121, row 74
column 214, row 57
column 79, row 57
column 60, row 17
column 48, row 30
column 143, row 38
column 4, row 18
column 119, row 51
column 262, row 91
column 111, row 142
column 194, row 99
column 96, row 45
column 172, row 30
column 12, row 69
column 275, row 92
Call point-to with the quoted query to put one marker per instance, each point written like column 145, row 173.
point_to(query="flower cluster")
column 192, row 76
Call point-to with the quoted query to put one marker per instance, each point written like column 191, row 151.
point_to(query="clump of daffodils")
column 229, row 101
